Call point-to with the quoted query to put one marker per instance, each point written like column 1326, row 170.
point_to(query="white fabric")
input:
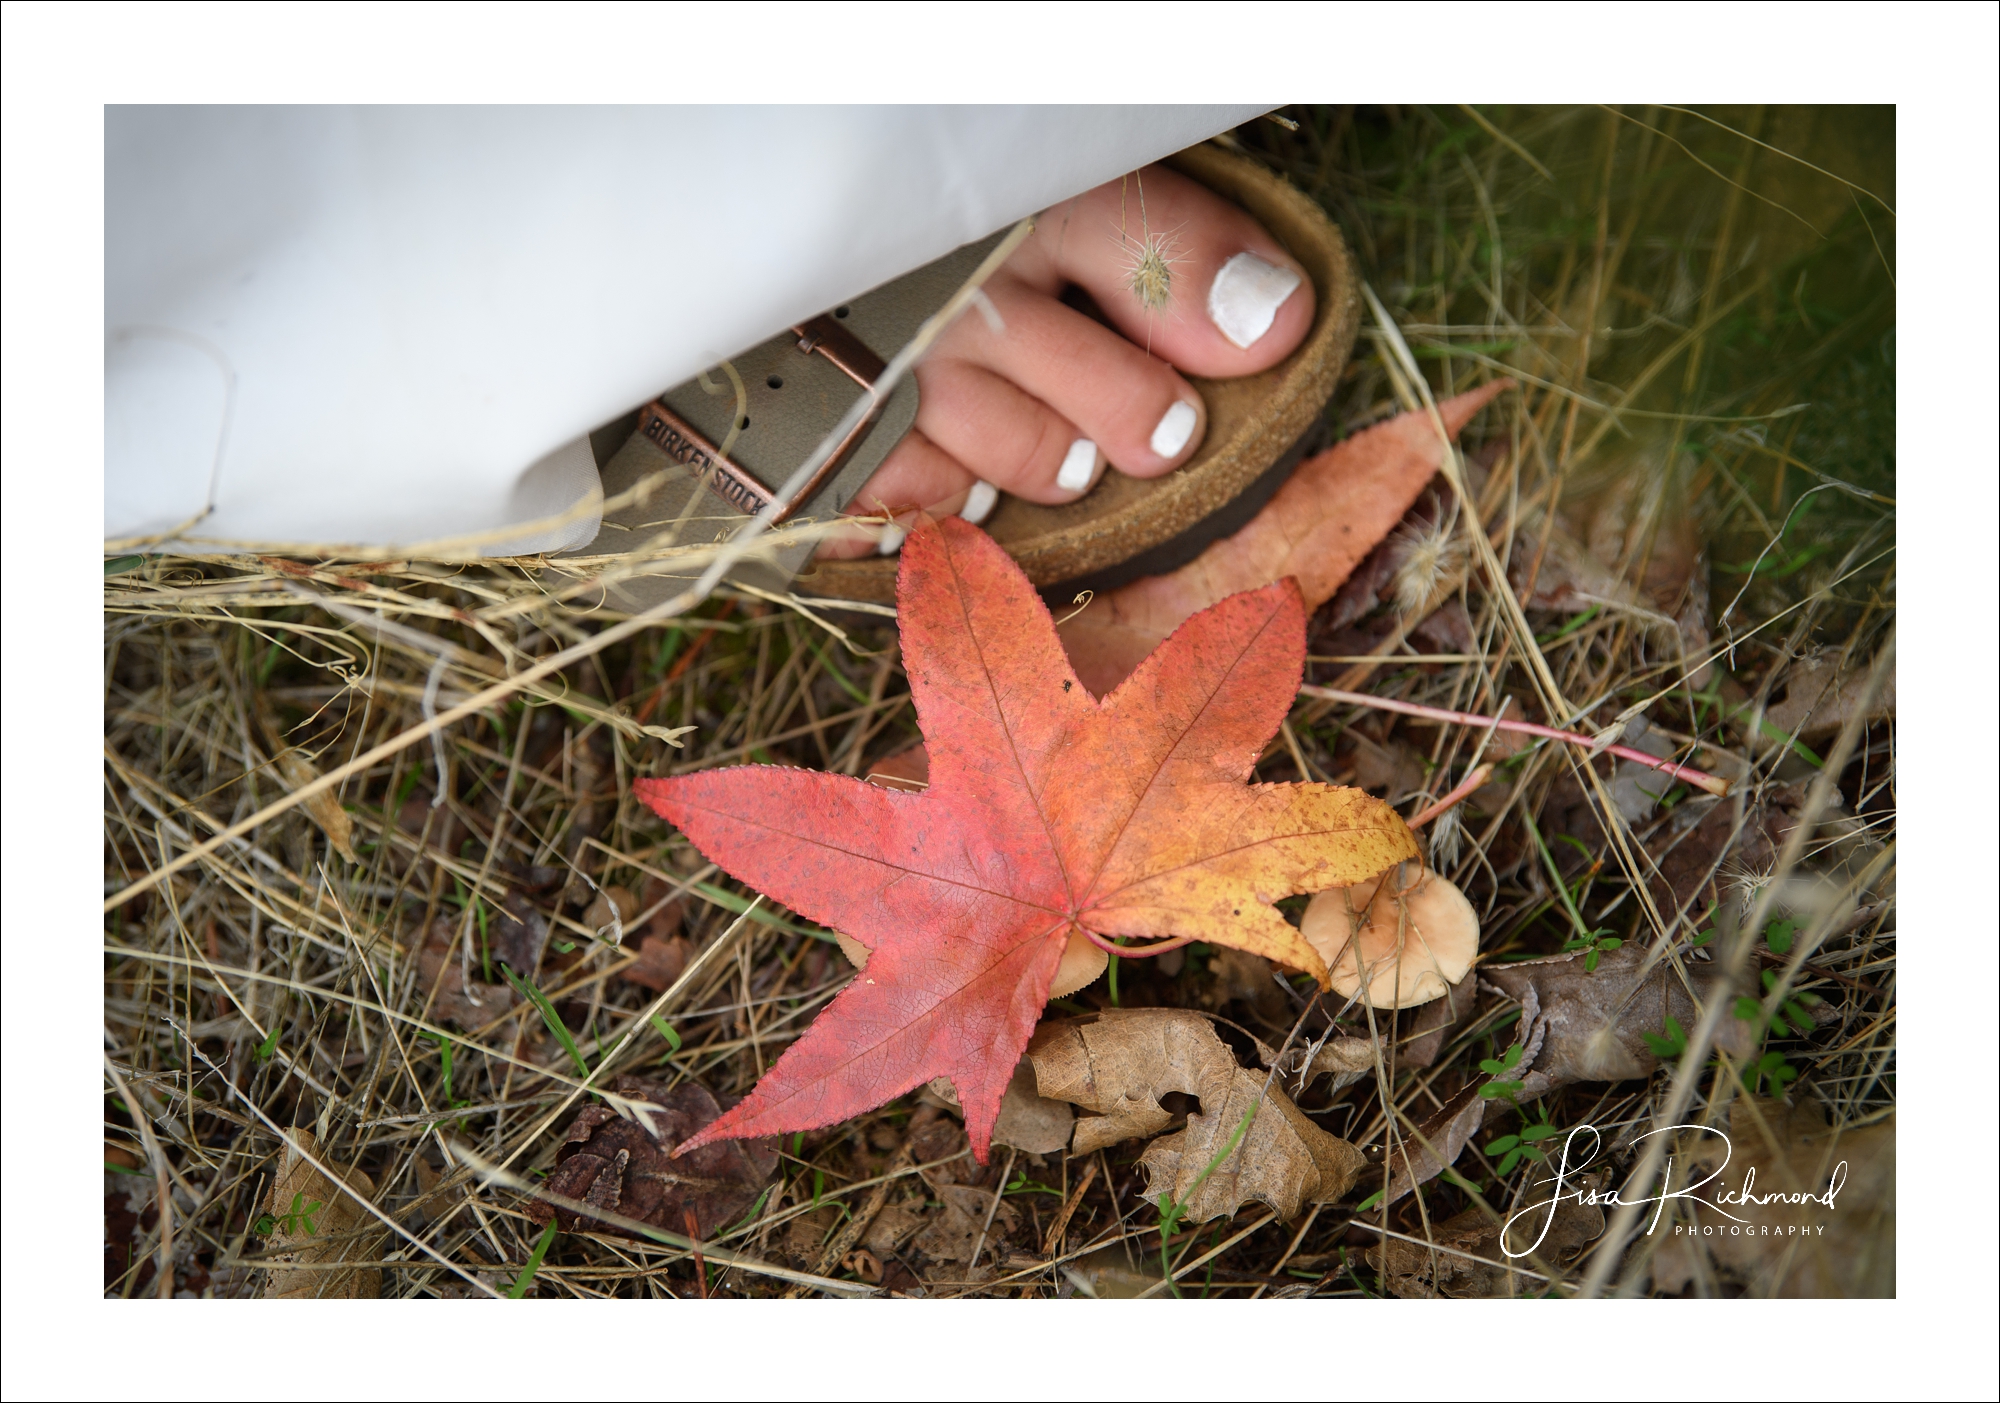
column 390, row 325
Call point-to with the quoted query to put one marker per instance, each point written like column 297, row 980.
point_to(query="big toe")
column 1179, row 269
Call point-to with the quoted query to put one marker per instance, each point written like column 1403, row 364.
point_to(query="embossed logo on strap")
column 686, row 445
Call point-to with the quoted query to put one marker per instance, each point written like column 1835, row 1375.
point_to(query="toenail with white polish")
column 979, row 502
column 1171, row 434
column 891, row 539
column 1079, row 467
column 1245, row 297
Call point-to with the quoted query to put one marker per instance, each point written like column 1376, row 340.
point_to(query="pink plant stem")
column 1471, row 782
column 1711, row 783
column 1130, row 952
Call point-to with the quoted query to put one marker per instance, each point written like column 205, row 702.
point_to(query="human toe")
column 1190, row 275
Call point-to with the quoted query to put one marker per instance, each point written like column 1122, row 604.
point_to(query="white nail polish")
column 1079, row 467
column 1170, row 436
column 979, row 502
column 891, row 539
column 1244, row 299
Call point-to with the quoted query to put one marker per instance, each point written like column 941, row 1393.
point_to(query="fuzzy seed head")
column 1445, row 835
column 1149, row 271
column 1744, row 884
column 1431, row 555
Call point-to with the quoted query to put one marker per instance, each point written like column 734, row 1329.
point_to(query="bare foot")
column 1041, row 410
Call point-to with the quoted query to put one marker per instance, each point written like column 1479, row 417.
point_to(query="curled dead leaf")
column 624, row 1168
column 1346, row 1060
column 1422, row 1151
column 298, row 771
column 317, row 1228
column 1597, row 1021
column 895, row 1225
column 864, row 1264
column 324, row 807
column 1120, row 1064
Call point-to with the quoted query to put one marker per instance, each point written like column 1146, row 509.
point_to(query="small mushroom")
column 1414, row 943
column 1081, row 962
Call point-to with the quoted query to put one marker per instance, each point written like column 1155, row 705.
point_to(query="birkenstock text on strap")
column 736, row 485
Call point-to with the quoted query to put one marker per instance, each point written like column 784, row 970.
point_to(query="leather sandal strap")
column 795, row 388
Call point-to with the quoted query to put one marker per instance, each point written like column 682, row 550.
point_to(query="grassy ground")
column 1694, row 494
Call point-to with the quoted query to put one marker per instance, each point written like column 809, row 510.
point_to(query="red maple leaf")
column 1048, row 810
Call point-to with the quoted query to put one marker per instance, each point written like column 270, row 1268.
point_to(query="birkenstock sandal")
column 712, row 452
column 798, row 385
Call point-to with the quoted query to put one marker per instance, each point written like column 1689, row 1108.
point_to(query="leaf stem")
column 1137, row 952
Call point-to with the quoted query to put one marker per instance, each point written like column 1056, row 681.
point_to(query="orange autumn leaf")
column 1331, row 512
column 1048, row 812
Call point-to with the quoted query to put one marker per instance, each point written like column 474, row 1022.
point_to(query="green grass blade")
column 527, row 1276
column 549, row 1017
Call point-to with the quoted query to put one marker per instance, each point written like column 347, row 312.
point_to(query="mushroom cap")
column 1413, row 945
column 1081, row 962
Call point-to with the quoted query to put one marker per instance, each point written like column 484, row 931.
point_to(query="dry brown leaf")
column 298, row 771
column 1437, row 1021
column 620, row 1166
column 1028, row 1121
column 1596, row 1022
column 1423, row 1152
column 454, row 999
column 516, row 934
column 1121, row 1062
column 319, row 1227
column 1702, row 838
column 1346, row 1060
column 1791, row 1249
column 612, row 908
column 1470, row 1261
column 1818, row 698
column 1238, row 975
column 659, row 962
column 895, row 1225
column 953, row 1235
column 807, row 1235
column 1570, row 579
column 1114, row 1273
column 1322, row 523
column 324, row 807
